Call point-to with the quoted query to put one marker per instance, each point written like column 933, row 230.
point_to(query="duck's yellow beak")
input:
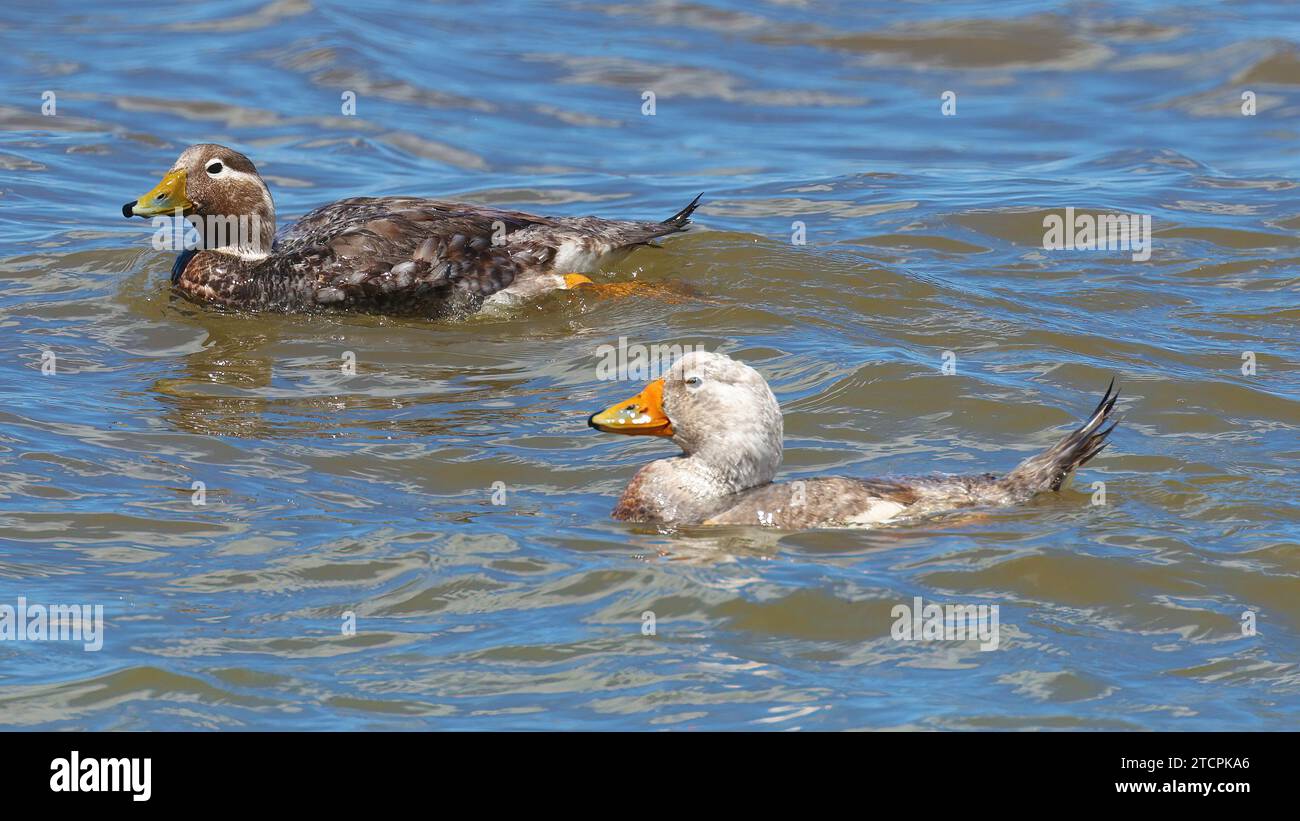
column 641, row 415
column 165, row 198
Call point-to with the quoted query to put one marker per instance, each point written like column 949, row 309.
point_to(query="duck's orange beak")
column 165, row 198
column 642, row 415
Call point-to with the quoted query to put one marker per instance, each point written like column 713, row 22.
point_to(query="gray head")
column 716, row 409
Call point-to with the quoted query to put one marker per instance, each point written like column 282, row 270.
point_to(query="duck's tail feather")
column 645, row 233
column 683, row 217
column 1050, row 469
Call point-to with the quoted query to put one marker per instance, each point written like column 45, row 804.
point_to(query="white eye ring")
column 214, row 168
column 694, row 382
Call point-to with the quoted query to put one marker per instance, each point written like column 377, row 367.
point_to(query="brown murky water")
column 372, row 493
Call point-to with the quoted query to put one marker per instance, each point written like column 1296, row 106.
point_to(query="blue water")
column 372, row 495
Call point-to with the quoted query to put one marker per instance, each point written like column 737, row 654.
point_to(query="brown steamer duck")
column 384, row 255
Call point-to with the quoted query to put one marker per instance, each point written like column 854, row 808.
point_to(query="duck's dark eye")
column 214, row 167
column 694, row 381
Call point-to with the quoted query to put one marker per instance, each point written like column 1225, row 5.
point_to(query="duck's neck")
column 231, row 266
column 690, row 488
column 247, row 236
column 232, row 281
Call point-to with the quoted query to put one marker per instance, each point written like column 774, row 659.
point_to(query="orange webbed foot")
column 666, row 291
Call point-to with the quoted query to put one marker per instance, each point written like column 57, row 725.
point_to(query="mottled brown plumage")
column 727, row 422
column 384, row 255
